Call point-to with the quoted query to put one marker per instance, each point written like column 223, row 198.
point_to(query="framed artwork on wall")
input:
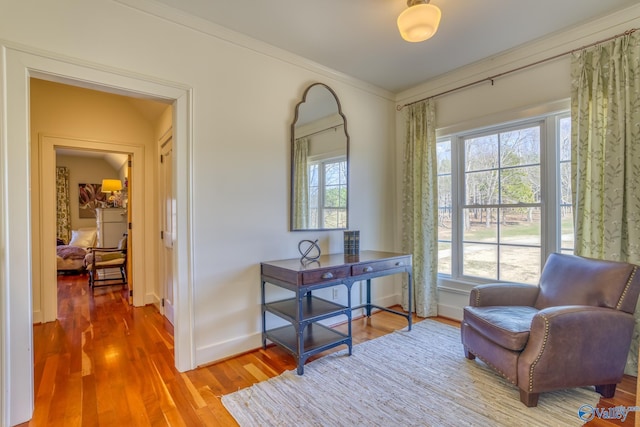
column 90, row 197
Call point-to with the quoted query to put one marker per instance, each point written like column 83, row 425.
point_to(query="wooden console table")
column 304, row 336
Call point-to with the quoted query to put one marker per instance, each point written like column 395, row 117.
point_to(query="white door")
column 168, row 215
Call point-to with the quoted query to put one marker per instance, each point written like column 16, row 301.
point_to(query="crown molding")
column 211, row 29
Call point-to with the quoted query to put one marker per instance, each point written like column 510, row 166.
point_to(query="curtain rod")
column 542, row 61
column 320, row 131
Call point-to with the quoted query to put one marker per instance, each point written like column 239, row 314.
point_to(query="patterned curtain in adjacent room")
column 63, row 204
column 301, row 184
column 420, row 207
column 605, row 151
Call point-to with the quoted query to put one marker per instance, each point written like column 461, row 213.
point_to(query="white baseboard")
column 450, row 312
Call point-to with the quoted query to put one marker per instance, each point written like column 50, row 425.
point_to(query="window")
column 493, row 223
column 565, row 207
column 328, row 193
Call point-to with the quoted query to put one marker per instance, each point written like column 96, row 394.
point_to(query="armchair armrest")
column 503, row 294
column 561, row 338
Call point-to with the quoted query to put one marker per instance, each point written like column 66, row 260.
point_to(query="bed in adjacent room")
column 70, row 257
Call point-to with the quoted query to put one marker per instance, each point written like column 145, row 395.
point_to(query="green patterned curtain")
column 63, row 204
column 300, row 184
column 605, row 151
column 420, row 207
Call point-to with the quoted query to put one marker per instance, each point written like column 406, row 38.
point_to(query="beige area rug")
column 417, row 378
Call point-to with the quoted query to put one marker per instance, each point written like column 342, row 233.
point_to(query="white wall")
column 242, row 108
column 530, row 91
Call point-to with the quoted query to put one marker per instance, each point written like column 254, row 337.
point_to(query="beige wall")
column 84, row 170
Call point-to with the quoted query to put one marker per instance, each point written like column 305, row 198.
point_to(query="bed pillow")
column 83, row 238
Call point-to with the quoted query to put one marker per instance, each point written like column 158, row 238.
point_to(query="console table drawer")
column 375, row 266
column 319, row 276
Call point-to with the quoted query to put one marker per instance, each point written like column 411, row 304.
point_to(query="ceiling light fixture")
column 419, row 21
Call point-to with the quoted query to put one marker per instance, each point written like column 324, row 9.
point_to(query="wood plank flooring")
column 106, row 363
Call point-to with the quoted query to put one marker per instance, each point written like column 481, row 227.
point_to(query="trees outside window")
column 493, row 224
column 328, row 193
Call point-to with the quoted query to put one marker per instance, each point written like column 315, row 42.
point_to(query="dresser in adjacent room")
column 111, row 224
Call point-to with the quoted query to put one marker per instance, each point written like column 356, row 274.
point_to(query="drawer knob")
column 368, row 269
column 399, row 263
column 328, row 275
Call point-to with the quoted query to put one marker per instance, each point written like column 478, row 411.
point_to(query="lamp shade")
column 109, row 185
column 419, row 22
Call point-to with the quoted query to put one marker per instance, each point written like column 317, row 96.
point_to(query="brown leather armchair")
column 572, row 330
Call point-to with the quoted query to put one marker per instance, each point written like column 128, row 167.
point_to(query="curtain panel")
column 301, row 184
column 420, row 207
column 605, row 152
column 63, row 204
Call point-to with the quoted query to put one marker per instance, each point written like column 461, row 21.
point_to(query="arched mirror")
column 319, row 162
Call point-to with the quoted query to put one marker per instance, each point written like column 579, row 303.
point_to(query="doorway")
column 15, row 209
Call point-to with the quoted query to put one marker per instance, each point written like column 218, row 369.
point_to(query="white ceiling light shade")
column 419, row 21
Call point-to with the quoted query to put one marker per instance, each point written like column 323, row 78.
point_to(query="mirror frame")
column 291, row 177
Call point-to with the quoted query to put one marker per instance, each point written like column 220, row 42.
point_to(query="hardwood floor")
column 104, row 362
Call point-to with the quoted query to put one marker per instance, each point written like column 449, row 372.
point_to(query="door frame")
column 142, row 249
column 17, row 65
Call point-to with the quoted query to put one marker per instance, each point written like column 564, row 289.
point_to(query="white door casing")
column 17, row 65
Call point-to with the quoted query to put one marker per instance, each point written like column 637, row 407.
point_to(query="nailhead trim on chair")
column 544, row 343
column 626, row 288
column 477, row 297
column 515, row 382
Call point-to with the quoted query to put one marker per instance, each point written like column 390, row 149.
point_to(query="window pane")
column 481, row 153
column 313, row 218
column 565, row 139
column 520, row 226
column 444, row 224
column 313, row 197
column 445, row 214
column 565, row 183
column 518, row 264
column 520, row 185
column 443, row 154
column 332, row 173
column 480, row 225
column 520, row 147
column 334, row 218
column 313, row 175
column 481, row 188
column 444, row 257
column 480, row 260
column 566, row 229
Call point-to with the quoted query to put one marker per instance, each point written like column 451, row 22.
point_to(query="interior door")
column 168, row 224
column 129, row 194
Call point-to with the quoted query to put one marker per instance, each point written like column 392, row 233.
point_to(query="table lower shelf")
column 316, row 338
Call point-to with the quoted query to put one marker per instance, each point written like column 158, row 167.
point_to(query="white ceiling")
column 360, row 37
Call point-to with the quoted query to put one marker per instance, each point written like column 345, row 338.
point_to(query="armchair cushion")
column 506, row 326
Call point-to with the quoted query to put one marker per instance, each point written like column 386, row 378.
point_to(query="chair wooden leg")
column 468, row 354
column 606, row 390
column 529, row 399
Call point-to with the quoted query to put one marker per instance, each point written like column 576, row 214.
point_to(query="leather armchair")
column 572, row 330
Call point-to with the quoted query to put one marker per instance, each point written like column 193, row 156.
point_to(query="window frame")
column 550, row 226
column 321, row 162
